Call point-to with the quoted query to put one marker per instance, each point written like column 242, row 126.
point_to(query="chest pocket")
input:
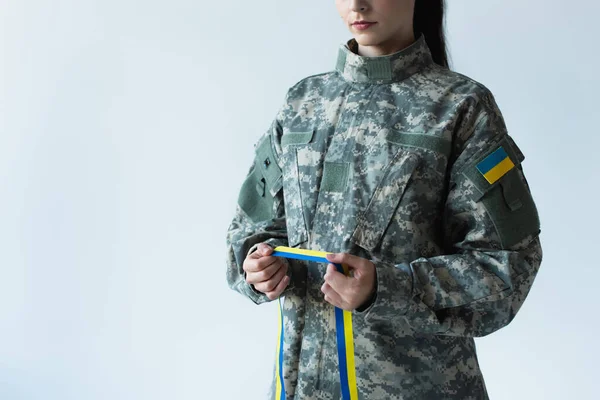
column 262, row 183
column 302, row 163
column 373, row 221
column 391, row 164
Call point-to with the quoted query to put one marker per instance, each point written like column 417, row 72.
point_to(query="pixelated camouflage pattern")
column 444, row 275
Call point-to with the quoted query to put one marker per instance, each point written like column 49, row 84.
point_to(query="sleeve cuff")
column 394, row 286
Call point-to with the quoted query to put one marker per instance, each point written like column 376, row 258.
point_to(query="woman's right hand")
column 266, row 273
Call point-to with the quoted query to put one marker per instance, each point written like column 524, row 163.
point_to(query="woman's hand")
column 266, row 273
column 349, row 292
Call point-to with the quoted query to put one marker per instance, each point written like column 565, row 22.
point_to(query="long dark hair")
column 429, row 20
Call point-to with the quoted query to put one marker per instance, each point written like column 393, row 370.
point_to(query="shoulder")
column 467, row 103
column 456, row 87
column 311, row 89
column 312, row 85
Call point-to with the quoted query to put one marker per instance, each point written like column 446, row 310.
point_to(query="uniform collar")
column 383, row 69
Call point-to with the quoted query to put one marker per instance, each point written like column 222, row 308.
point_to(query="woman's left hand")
column 349, row 292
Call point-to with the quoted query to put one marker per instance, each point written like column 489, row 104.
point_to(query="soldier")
column 404, row 171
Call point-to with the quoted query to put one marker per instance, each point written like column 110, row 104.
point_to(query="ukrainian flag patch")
column 495, row 166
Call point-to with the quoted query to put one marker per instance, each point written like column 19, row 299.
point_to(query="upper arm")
column 490, row 201
column 257, row 197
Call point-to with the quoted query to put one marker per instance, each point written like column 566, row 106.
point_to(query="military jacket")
column 407, row 164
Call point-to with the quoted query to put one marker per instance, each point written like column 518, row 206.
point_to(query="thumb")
column 344, row 258
column 264, row 249
column 334, row 257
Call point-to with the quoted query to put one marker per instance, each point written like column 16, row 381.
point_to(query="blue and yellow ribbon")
column 343, row 324
column 496, row 165
column 279, row 384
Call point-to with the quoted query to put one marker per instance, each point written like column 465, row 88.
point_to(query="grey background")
column 126, row 129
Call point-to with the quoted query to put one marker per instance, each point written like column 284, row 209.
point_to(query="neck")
column 389, row 46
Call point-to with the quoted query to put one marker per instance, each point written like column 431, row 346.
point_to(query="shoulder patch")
column 496, row 165
column 489, row 168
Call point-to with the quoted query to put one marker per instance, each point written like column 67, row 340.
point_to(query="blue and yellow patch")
column 495, row 166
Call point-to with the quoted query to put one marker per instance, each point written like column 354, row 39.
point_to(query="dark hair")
column 429, row 21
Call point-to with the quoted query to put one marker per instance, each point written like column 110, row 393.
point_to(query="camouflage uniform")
column 381, row 158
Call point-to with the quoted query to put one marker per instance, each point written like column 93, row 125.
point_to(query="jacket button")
column 267, row 162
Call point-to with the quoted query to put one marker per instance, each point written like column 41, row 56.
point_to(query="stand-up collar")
column 383, row 69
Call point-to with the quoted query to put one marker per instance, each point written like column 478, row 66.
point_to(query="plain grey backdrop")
column 126, row 129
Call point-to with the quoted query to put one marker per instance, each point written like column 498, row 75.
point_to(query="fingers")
column 266, row 273
column 261, row 250
column 254, row 276
column 272, row 283
column 348, row 292
column 279, row 288
column 338, row 281
column 264, row 249
column 259, row 264
column 331, row 296
column 344, row 258
column 259, row 259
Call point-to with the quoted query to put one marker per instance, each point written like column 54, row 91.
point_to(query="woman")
column 405, row 170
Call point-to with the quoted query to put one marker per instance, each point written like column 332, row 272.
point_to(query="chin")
column 367, row 40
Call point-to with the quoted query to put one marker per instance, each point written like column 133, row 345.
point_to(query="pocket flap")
column 253, row 199
column 276, row 186
column 429, row 142
column 512, row 209
column 298, row 137
column 266, row 162
column 372, row 223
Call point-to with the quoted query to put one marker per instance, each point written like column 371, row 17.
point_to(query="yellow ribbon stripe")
column 349, row 336
column 279, row 384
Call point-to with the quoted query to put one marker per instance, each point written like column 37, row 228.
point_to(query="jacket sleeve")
column 490, row 231
column 259, row 214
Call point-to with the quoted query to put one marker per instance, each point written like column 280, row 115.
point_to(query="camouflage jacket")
column 408, row 164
